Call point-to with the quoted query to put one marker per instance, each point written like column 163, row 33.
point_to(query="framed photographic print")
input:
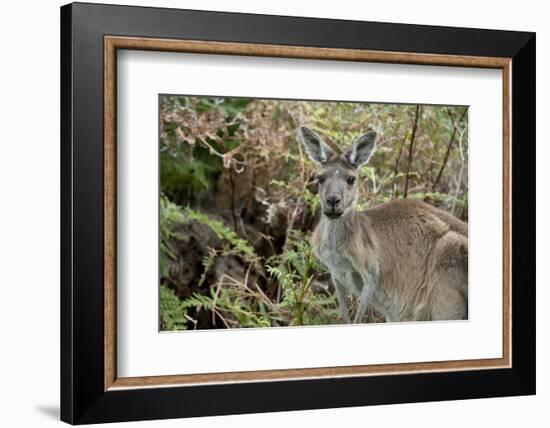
column 265, row 213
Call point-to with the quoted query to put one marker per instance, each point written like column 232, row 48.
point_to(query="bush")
column 235, row 167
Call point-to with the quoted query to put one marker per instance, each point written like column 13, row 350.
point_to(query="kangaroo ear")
column 316, row 148
column 362, row 149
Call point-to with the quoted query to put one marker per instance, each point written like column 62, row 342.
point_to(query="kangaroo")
column 406, row 258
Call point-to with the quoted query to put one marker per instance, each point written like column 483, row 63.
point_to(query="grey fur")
column 316, row 148
column 362, row 150
column 407, row 259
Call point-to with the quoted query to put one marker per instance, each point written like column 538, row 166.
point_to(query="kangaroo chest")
column 336, row 260
column 341, row 268
column 344, row 272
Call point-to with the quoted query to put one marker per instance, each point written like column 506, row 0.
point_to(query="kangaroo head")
column 338, row 172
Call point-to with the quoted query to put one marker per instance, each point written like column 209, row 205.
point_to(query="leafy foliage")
column 173, row 311
column 226, row 234
column 170, row 217
column 295, row 269
column 239, row 199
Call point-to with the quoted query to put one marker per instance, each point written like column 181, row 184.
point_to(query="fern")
column 173, row 312
column 295, row 270
column 223, row 232
column 198, row 302
column 171, row 216
column 207, row 262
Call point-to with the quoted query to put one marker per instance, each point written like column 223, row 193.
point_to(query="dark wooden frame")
column 113, row 43
column 90, row 35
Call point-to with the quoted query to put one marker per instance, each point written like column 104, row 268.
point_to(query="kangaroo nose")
column 333, row 200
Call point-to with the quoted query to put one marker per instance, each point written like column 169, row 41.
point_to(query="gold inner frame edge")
column 113, row 43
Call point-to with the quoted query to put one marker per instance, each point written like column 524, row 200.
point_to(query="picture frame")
column 91, row 391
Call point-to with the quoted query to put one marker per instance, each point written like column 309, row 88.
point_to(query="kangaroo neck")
column 341, row 228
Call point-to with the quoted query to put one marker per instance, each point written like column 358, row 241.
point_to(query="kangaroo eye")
column 350, row 180
column 321, row 179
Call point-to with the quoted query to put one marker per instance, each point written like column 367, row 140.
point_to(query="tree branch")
column 411, row 147
column 460, row 174
column 396, row 166
column 449, row 146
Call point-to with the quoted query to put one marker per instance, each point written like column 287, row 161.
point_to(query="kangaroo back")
column 423, row 260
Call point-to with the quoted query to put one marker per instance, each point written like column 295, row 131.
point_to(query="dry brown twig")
column 411, row 147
